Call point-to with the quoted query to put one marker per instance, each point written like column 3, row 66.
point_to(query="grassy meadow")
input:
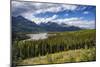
column 64, row 47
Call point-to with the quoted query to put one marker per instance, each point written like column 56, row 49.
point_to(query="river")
column 38, row 36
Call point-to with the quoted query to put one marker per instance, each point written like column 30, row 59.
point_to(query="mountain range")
column 21, row 24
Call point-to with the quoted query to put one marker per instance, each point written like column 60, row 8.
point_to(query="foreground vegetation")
column 66, row 45
column 79, row 55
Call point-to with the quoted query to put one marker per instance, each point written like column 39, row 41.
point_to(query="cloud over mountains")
column 77, row 15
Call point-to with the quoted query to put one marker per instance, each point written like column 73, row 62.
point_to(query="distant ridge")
column 20, row 24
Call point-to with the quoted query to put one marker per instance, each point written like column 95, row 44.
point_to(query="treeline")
column 19, row 36
column 63, row 41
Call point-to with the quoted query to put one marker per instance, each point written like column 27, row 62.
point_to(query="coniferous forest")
column 83, row 42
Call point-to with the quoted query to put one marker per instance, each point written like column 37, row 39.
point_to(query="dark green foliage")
column 63, row 41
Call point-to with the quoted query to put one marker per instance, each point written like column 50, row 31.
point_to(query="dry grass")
column 62, row 57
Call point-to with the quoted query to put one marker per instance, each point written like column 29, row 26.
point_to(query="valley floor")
column 64, row 47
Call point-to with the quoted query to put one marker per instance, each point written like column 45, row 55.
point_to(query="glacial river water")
column 38, row 36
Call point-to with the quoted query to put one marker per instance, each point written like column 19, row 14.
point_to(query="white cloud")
column 39, row 20
column 70, row 21
column 65, row 20
column 70, row 7
column 16, row 4
column 30, row 9
column 49, row 9
column 83, row 24
column 53, row 17
column 56, row 8
column 36, row 8
column 79, row 22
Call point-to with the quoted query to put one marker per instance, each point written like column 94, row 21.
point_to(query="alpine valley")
column 51, row 33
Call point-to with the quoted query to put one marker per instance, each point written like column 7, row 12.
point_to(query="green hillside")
column 72, row 44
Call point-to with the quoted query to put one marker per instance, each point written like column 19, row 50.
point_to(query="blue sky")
column 77, row 15
column 88, row 13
